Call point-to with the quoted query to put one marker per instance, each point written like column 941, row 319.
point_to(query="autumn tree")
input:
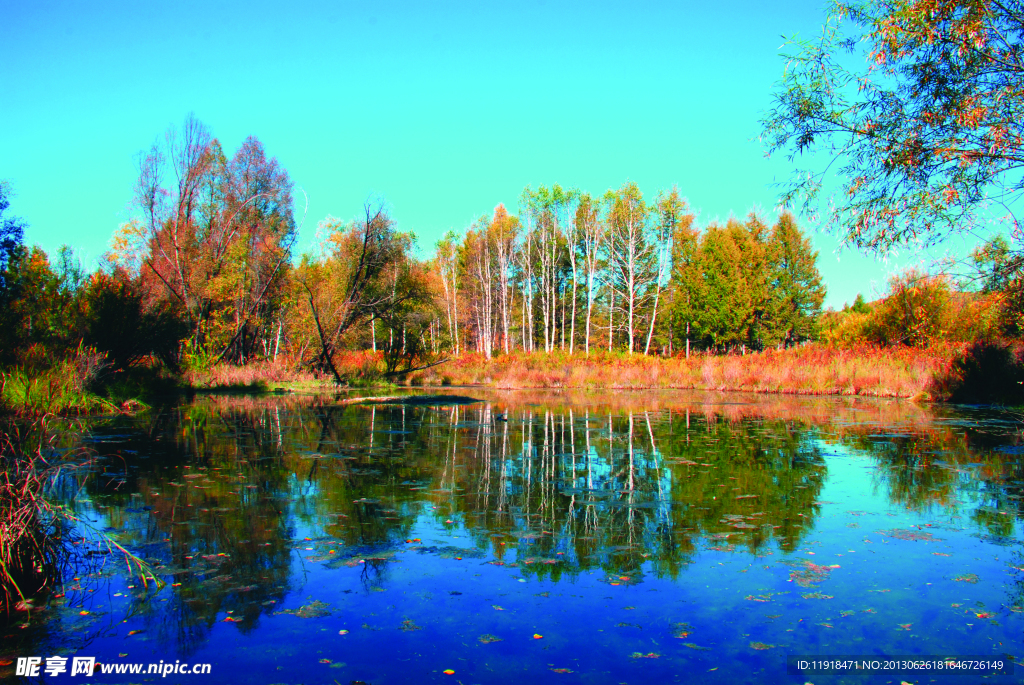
column 671, row 214
column 365, row 273
column 447, row 262
column 591, row 236
column 917, row 106
column 632, row 255
column 505, row 230
column 685, row 284
column 215, row 235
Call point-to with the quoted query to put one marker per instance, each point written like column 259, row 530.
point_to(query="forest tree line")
column 208, row 272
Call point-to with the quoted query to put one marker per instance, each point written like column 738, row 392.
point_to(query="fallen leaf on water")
column 760, row 645
column 487, row 638
column 315, row 609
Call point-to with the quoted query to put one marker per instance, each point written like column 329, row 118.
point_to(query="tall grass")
column 62, row 388
column 38, row 534
column 255, row 377
column 33, row 540
column 811, row 370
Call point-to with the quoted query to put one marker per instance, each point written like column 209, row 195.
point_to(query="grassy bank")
column 63, row 389
column 980, row 372
column 810, row 370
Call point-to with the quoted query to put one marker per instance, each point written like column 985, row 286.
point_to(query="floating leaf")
column 900, row 534
column 315, row 609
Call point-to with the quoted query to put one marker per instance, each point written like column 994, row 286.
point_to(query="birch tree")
column 631, row 254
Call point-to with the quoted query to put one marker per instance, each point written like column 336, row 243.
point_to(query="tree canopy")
column 917, row 106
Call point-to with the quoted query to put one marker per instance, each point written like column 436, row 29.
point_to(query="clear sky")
column 443, row 108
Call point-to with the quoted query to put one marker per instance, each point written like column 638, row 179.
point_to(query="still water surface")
column 612, row 538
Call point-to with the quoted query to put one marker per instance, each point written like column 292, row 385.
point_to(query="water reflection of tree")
column 214, row 492
column 575, row 492
column 970, row 469
column 202, row 492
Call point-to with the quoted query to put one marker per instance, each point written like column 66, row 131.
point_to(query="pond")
column 550, row 537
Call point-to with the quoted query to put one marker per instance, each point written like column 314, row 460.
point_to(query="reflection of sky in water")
column 456, row 539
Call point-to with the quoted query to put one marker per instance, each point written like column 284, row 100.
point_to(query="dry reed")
column 810, row 370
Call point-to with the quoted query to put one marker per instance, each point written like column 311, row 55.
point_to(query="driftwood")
column 430, row 400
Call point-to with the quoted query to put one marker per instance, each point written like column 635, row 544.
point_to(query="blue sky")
column 445, row 109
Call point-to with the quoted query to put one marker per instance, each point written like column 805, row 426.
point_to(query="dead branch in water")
column 431, row 400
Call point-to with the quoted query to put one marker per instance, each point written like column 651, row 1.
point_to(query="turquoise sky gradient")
column 445, row 109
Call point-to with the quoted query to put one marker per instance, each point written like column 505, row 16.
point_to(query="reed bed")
column 807, row 370
column 255, row 376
